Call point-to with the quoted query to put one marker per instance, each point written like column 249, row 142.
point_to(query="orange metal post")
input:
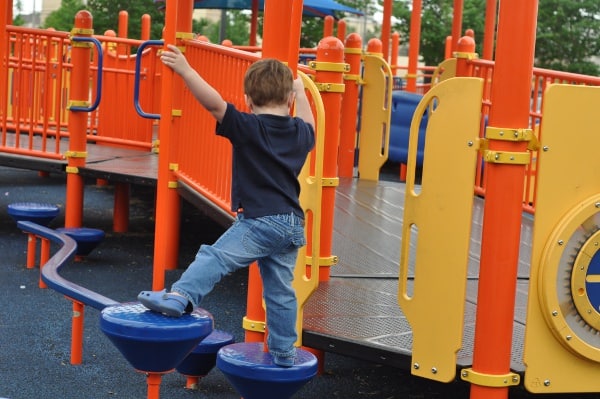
column 77, row 332
column 330, row 51
column 465, row 51
column 341, row 30
column 122, row 29
column 490, row 29
column 254, row 309
column 253, row 23
column 146, row 25
column 350, row 106
column 386, row 28
column 31, row 250
column 121, row 208
column 457, row 22
column 153, row 380
column 394, row 52
column 80, row 57
column 44, row 257
column 328, row 26
column 276, row 29
column 413, row 46
column 504, row 195
column 166, row 196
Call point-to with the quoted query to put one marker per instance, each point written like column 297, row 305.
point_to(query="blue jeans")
column 273, row 241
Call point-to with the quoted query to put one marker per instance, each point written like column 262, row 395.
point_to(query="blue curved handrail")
column 136, row 82
column 98, row 45
column 50, row 271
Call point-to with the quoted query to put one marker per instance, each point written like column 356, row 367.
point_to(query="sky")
column 27, row 6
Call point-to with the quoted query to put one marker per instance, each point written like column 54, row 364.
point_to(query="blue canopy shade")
column 314, row 8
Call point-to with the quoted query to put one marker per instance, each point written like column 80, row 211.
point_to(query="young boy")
column 269, row 150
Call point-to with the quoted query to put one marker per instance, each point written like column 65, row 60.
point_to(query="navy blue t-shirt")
column 269, row 152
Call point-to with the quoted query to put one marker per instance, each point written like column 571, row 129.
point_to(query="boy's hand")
column 174, row 59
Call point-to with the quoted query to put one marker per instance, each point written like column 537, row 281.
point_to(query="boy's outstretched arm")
column 206, row 95
column 303, row 110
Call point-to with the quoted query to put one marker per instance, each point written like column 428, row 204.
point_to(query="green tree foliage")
column 63, row 19
column 106, row 16
column 568, row 34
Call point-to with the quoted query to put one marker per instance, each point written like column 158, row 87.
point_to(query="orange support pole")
column 77, row 332
column 79, row 94
column 166, row 193
column 123, row 24
column 491, row 7
column 504, row 196
column 465, row 52
column 44, row 257
column 350, row 106
column 341, row 30
column 278, row 37
column 146, row 25
column 457, row 22
column 330, row 56
column 253, row 23
column 31, row 250
column 328, row 26
column 386, row 29
column 394, row 52
column 413, row 46
column 121, row 208
column 153, row 381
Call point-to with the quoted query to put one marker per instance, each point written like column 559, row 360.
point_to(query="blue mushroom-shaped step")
column 152, row 342
column 254, row 375
column 86, row 238
column 40, row 213
column 204, row 356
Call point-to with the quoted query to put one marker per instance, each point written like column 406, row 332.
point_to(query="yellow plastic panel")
column 440, row 213
column 562, row 349
column 311, row 188
column 375, row 117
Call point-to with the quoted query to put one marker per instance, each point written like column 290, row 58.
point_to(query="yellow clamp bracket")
column 506, row 157
column 353, row 50
column 411, row 76
column 353, row 77
column 176, row 112
column 82, row 44
column 468, row 56
column 330, row 181
column 155, row 146
column 172, row 184
column 329, row 66
column 174, row 167
column 76, row 154
column 377, row 54
column 512, row 134
column 253, row 325
column 331, row 87
column 489, row 380
column 184, row 35
column 72, row 169
column 82, row 31
column 78, row 103
column 325, row 260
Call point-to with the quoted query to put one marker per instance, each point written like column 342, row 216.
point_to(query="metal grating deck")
column 356, row 313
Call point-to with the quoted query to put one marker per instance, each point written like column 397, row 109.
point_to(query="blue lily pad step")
column 86, row 238
column 150, row 341
column 204, row 357
column 40, row 213
column 254, row 375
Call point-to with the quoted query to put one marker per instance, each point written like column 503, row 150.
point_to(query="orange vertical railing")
column 504, row 194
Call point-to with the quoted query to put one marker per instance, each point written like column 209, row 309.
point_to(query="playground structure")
column 41, row 128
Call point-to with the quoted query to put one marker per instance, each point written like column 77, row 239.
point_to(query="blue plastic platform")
column 86, row 238
column 204, row 357
column 39, row 213
column 150, row 341
column 254, row 375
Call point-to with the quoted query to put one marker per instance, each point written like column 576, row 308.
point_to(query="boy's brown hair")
column 268, row 82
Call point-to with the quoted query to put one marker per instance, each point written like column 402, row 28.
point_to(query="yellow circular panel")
column 564, row 270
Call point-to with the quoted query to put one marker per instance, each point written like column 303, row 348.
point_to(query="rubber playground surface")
column 35, row 324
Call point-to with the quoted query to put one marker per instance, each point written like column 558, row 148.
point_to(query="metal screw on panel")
column 546, row 383
column 434, row 370
column 416, row 366
column 515, row 379
column 597, row 204
column 470, row 143
column 560, row 242
column 568, row 337
column 516, row 134
column 501, row 132
column 545, row 148
column 465, row 374
column 554, row 313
